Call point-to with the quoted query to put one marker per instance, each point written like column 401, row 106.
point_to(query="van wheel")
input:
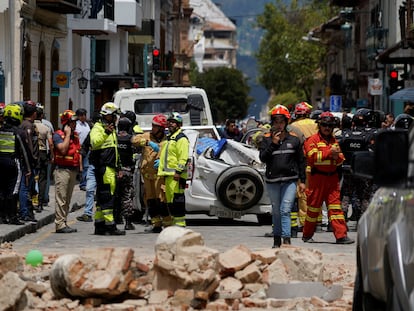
column 239, row 188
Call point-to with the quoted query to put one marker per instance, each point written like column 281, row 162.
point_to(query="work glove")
column 154, row 146
column 156, row 163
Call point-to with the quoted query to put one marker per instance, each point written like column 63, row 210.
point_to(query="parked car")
column 225, row 177
column 385, row 237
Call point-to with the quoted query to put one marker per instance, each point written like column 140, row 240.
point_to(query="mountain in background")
column 243, row 13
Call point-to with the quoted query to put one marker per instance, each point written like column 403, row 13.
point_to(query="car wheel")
column 264, row 219
column 239, row 188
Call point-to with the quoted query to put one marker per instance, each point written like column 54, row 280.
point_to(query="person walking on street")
column 45, row 155
column 285, row 170
column 105, row 158
column 29, row 134
column 83, row 129
column 125, row 190
column 324, row 156
column 231, row 130
column 68, row 161
column 173, row 167
column 154, row 197
column 12, row 153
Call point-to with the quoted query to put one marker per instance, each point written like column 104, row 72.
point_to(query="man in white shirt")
column 83, row 129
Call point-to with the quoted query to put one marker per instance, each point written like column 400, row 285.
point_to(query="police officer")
column 173, row 166
column 105, row 158
column 356, row 190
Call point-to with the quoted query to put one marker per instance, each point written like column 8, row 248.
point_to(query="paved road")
column 217, row 235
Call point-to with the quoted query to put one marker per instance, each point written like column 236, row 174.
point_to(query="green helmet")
column 175, row 116
column 14, row 111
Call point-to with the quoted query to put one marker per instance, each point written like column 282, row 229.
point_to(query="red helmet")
column 279, row 110
column 160, row 120
column 67, row 116
column 327, row 117
column 302, row 108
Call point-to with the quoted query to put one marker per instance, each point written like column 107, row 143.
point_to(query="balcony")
column 91, row 26
column 60, row 6
column 128, row 14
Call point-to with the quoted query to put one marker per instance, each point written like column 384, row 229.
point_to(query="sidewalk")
column 10, row 233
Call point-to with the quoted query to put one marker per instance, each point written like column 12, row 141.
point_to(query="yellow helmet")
column 109, row 108
column 14, row 111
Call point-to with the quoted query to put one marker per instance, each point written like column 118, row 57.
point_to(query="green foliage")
column 227, row 91
column 287, row 62
column 288, row 99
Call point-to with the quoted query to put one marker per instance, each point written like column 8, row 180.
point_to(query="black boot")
column 294, row 232
column 100, row 228
column 277, row 241
column 128, row 224
column 113, row 230
column 286, row 241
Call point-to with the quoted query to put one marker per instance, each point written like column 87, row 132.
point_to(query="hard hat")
column 66, row 116
column 175, row 116
column 160, row 120
column 109, row 108
column 403, row 121
column 327, row 117
column 279, row 110
column 14, row 111
column 303, row 108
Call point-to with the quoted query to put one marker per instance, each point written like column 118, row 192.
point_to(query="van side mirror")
column 388, row 164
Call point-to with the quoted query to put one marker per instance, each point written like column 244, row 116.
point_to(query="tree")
column 286, row 61
column 227, row 91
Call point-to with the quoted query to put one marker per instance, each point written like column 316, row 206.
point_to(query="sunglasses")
column 328, row 125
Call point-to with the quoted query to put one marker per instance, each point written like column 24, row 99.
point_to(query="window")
column 102, row 56
column 154, row 106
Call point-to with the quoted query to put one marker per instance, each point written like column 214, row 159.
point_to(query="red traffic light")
column 155, row 52
column 394, row 74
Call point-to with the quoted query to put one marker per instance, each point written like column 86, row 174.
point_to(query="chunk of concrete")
column 305, row 289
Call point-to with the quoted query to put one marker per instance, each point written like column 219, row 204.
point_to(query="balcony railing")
column 61, row 6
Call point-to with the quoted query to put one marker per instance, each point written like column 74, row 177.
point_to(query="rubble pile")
column 184, row 275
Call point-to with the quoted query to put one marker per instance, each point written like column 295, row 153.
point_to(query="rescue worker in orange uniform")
column 154, row 197
column 324, row 157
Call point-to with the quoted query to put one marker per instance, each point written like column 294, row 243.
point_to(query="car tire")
column 239, row 187
column 264, row 219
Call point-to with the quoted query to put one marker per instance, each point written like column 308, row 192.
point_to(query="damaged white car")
column 225, row 178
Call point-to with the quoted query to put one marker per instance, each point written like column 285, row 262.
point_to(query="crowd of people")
column 101, row 154
column 307, row 155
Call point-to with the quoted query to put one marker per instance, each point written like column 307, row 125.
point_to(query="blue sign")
column 335, row 103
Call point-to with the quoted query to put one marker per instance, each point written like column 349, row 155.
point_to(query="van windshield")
column 156, row 105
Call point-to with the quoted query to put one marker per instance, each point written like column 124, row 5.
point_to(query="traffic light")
column 393, row 81
column 155, row 59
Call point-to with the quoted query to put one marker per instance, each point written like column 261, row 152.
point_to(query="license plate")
column 225, row 213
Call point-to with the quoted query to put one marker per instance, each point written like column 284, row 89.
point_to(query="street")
column 217, row 234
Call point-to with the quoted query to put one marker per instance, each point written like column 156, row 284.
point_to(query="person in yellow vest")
column 105, row 158
column 12, row 155
column 173, row 166
column 68, row 162
column 303, row 127
column 154, row 197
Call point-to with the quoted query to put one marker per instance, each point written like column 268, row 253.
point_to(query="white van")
column 191, row 102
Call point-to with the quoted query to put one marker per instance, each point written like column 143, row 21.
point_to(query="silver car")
column 385, row 238
column 226, row 181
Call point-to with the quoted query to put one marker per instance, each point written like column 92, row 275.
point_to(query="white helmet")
column 109, row 108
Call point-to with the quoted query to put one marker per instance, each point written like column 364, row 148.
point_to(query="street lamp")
column 82, row 77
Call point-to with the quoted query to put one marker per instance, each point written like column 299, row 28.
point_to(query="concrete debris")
column 184, row 274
